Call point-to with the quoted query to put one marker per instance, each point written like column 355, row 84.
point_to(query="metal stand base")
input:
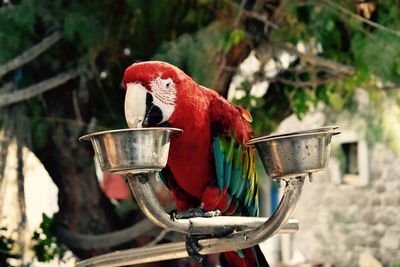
column 240, row 239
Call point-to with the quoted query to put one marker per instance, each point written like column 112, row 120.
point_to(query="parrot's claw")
column 194, row 212
column 193, row 247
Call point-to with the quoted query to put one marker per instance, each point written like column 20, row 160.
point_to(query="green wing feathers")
column 234, row 160
column 236, row 172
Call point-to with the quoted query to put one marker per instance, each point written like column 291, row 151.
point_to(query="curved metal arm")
column 236, row 241
column 149, row 204
column 250, row 238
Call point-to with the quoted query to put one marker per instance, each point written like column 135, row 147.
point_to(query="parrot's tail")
column 249, row 257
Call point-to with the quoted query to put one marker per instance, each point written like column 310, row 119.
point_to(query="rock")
column 380, row 189
column 362, row 99
column 368, row 217
column 386, row 217
column 366, row 259
column 390, row 240
column 371, row 241
column 378, row 230
column 391, row 200
column 380, row 227
column 376, row 201
column 351, row 241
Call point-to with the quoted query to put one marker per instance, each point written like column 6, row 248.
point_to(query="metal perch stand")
column 246, row 231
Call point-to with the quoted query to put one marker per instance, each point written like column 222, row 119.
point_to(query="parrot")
column 210, row 167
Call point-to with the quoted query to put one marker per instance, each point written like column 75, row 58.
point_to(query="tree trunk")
column 227, row 65
column 83, row 206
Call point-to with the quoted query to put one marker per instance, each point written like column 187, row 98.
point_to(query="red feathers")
column 145, row 72
column 203, row 116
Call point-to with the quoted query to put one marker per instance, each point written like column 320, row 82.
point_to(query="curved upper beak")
column 140, row 109
column 135, row 105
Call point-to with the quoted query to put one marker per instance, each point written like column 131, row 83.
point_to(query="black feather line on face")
column 153, row 113
column 149, row 101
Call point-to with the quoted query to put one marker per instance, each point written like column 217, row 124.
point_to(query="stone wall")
column 349, row 224
column 338, row 223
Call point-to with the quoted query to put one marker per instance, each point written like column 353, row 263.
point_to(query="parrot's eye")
column 163, row 86
column 166, row 83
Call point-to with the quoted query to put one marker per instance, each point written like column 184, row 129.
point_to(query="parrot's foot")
column 194, row 212
column 193, row 247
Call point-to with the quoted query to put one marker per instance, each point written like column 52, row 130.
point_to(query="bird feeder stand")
column 141, row 153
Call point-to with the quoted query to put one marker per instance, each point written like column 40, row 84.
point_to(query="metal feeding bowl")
column 135, row 150
column 297, row 153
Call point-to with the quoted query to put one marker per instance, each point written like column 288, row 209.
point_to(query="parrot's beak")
column 140, row 109
column 135, row 105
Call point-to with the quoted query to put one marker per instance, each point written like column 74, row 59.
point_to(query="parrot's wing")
column 235, row 171
column 234, row 160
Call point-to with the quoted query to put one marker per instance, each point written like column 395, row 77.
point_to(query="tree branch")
column 239, row 14
column 7, row 87
column 34, row 90
column 311, row 83
column 90, row 241
column 313, row 59
column 30, row 53
column 158, row 238
column 248, row 14
column 362, row 19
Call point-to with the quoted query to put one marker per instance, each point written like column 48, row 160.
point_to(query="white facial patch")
column 135, row 104
column 164, row 96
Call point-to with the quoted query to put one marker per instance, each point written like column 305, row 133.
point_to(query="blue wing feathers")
column 219, row 162
column 235, row 172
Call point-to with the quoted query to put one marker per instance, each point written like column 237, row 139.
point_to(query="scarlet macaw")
column 209, row 164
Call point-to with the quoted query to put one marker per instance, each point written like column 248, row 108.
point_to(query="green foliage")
column 125, row 207
column 95, row 36
column 232, row 38
column 195, row 54
column 6, row 246
column 11, row 37
column 46, row 246
column 379, row 54
column 301, row 99
column 345, row 38
column 96, row 33
column 263, row 118
column 83, row 28
column 374, row 51
column 154, row 22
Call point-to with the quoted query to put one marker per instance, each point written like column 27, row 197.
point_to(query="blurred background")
column 293, row 64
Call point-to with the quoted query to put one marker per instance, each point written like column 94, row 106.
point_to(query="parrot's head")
column 152, row 90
